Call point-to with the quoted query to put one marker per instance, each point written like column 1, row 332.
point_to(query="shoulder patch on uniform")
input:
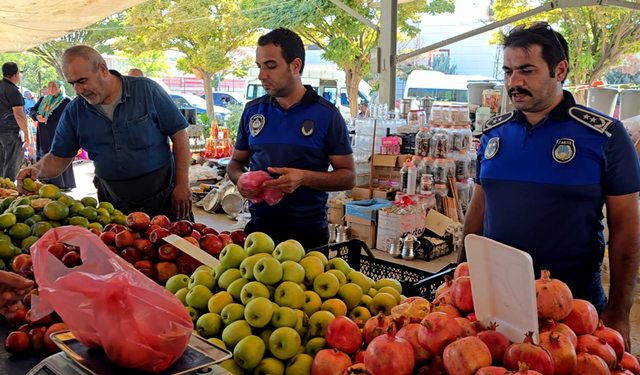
column 496, row 121
column 591, row 119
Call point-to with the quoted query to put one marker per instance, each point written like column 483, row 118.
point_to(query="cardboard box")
column 362, row 229
column 362, row 192
column 387, row 176
column 335, row 213
column 391, row 225
column 396, row 161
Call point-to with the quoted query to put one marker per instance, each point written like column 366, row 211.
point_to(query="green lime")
column 7, row 250
column 97, row 226
column 6, row 202
column 40, row 228
column 34, row 197
column 76, row 208
column 104, row 220
column 19, row 231
column 16, row 250
column 79, row 221
column 67, row 200
column 49, row 191
column 117, row 212
column 120, row 219
column 55, row 210
column 20, row 202
column 3, row 266
column 39, row 203
column 4, row 237
column 28, row 242
column 103, row 211
column 7, row 221
column 28, row 184
column 23, row 212
column 89, row 201
column 55, row 224
column 107, row 206
column 90, row 213
column 65, row 221
column 33, row 219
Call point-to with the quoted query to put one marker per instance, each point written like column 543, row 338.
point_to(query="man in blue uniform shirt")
column 295, row 135
column 545, row 171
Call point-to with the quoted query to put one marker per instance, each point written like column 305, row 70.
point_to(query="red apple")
column 199, row 226
column 226, row 239
column 136, row 235
column 143, row 264
column 113, row 250
column 150, row 273
column 95, row 231
column 192, row 240
column 72, row 259
column 145, row 247
column 36, row 337
column 131, row 254
column 157, row 235
column 44, row 321
column 19, row 318
column 168, row 253
column 27, row 299
column 108, row 237
column 195, row 234
column 138, row 221
column 211, row 244
column 225, row 232
column 58, row 249
column 48, row 343
column 182, row 228
column 20, row 261
column 124, row 239
column 16, row 342
column 188, row 269
column 25, row 328
column 165, row 271
column 208, row 231
column 239, row 237
column 118, row 228
column 161, row 221
column 109, row 227
column 152, row 227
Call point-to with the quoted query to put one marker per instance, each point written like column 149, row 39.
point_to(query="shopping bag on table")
column 107, row 303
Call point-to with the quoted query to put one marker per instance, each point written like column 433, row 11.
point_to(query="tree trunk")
column 352, row 80
column 581, row 97
column 208, row 92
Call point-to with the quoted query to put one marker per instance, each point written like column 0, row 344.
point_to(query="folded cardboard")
column 387, row 176
column 436, row 222
column 362, row 229
column 362, row 192
column 396, row 161
column 392, row 225
column 335, row 213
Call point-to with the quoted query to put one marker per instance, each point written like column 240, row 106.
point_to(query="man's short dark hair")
column 288, row 41
column 554, row 48
column 9, row 69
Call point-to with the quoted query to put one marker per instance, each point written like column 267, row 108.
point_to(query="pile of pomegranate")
column 445, row 338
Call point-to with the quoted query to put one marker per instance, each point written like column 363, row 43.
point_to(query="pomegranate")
column 357, row 369
column 388, row 354
column 410, row 333
column 630, row 363
column 412, row 312
column 561, row 328
column 466, row 356
column 491, row 370
column 375, row 327
column 583, row 317
column 461, row 270
column 562, row 352
column 468, row 328
column 478, row 326
column 461, row 294
column 447, row 309
column 437, row 331
column 359, row 357
column 445, row 287
column 472, row 317
column 523, row 369
column 342, row 333
column 598, row 346
column 435, row 367
column 330, row 362
column 621, row 371
column 612, row 337
column 528, row 352
column 411, row 299
column 589, row 364
column 496, row 342
column 553, row 297
column 445, row 298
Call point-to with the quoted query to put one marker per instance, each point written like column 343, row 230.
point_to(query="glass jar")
column 463, row 194
column 441, row 192
column 436, row 114
column 464, row 114
column 422, row 120
column 467, row 136
column 456, row 138
column 473, row 158
column 422, row 142
column 426, row 183
column 430, row 202
column 439, row 171
column 462, row 161
column 440, row 143
column 451, row 168
column 412, row 118
column 427, row 164
column 455, row 114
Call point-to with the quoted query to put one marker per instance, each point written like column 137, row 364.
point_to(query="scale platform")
column 200, row 357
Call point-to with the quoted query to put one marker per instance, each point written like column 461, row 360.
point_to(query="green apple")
column 235, row 332
column 258, row 242
column 253, row 290
column 365, row 300
column 274, row 306
column 319, row 255
column 198, row 297
column 392, row 291
column 292, row 271
column 371, row 282
column 284, row 317
column 360, row 313
column 269, row 366
column 299, row 365
column 249, row 351
column 264, row 335
column 219, row 301
column 229, row 276
column 202, row 278
column 284, row 343
column 246, row 267
column 302, row 286
column 268, row 271
column 236, row 288
column 177, row 282
column 218, row 342
column 312, row 302
column 302, row 323
column 339, row 275
column 204, row 268
column 193, row 314
column 301, row 349
column 272, row 291
column 289, row 294
column 350, row 294
column 312, row 268
column 231, row 313
column 258, row 312
column 395, row 284
column 218, row 271
column 288, row 250
column 326, row 285
column 382, row 303
column 319, row 321
column 209, row 325
column 360, row 279
column 372, row 292
column 182, row 295
column 335, row 306
column 340, row 265
column 402, row 297
column 232, row 256
column 231, row 366
column 315, row 345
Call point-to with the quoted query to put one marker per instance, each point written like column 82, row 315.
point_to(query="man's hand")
column 620, row 322
column 13, row 288
column 41, row 119
column 246, row 193
column 29, row 172
column 181, row 201
column 288, row 182
column 27, row 141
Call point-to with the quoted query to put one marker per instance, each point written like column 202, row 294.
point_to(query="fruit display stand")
column 18, row 364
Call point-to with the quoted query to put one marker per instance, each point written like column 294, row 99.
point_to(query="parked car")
column 194, row 101
column 223, row 98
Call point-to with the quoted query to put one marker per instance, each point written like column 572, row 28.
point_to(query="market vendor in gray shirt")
column 12, row 121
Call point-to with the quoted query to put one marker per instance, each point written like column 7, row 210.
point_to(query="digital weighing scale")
column 200, row 357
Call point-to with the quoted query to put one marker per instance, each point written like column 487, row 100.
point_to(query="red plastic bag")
column 253, row 181
column 109, row 304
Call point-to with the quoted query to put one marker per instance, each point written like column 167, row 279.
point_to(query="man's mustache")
column 519, row 90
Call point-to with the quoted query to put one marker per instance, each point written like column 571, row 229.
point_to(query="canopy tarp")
column 29, row 23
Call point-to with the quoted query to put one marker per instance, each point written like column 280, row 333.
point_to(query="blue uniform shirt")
column 302, row 137
column 136, row 141
column 545, row 187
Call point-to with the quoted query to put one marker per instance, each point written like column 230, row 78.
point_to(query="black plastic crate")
column 415, row 281
column 428, row 251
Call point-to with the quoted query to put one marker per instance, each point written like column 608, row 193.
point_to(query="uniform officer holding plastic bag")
column 295, row 135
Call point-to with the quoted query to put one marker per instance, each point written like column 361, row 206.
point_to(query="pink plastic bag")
column 109, row 304
column 254, row 180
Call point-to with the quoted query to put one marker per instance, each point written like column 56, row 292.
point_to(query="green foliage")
column 615, row 76
column 232, row 120
column 152, row 63
column 443, row 64
column 31, row 66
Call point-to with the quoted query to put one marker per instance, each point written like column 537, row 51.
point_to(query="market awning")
column 29, row 23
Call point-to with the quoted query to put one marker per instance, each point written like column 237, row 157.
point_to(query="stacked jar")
column 439, row 145
column 423, row 140
column 439, row 171
column 426, row 184
column 462, row 162
column 463, row 194
column 467, row 137
column 473, row 157
column 456, row 138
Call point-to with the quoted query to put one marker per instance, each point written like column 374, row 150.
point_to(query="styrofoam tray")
column 502, row 283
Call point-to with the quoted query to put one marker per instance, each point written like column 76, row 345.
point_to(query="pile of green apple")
column 271, row 305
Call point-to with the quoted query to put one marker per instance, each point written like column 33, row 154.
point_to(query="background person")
column 29, row 101
column 135, row 72
column 12, row 120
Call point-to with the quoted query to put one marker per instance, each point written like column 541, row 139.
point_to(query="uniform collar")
column 310, row 96
column 559, row 113
column 7, row 80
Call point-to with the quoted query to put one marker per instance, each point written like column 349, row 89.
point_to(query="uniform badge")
column 492, row 148
column 308, row 127
column 564, row 150
column 256, row 124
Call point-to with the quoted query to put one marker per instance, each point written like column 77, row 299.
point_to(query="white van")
column 328, row 82
column 439, row 86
